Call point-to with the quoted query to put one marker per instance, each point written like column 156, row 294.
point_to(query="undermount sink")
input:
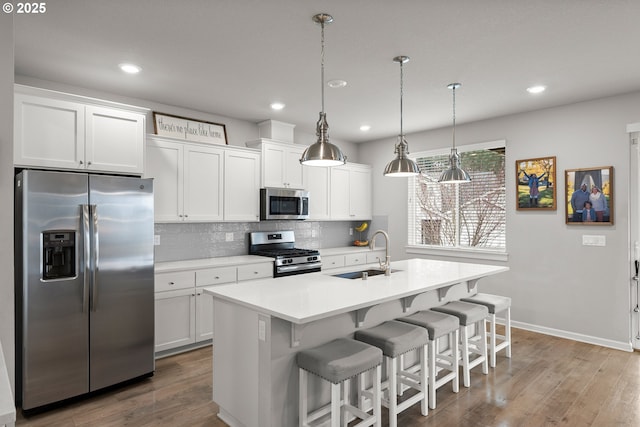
column 358, row 274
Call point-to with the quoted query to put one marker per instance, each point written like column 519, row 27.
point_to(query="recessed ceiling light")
column 277, row 106
column 365, row 128
column 130, row 68
column 536, row 89
column 334, row 84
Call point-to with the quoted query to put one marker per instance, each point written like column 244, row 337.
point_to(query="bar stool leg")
column 455, row 354
column 302, row 398
column 377, row 401
column 466, row 377
column 483, row 347
column 507, row 331
column 346, row 386
column 392, row 374
column 335, row 405
column 424, row 409
column 431, row 348
column 492, row 340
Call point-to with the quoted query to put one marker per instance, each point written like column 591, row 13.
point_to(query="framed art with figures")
column 589, row 196
column 536, row 184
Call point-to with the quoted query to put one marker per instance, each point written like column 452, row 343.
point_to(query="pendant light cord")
column 401, row 95
column 322, row 63
column 454, row 116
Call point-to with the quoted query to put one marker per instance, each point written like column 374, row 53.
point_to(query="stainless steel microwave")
column 283, row 203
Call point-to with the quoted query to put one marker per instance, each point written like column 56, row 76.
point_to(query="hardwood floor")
column 548, row 382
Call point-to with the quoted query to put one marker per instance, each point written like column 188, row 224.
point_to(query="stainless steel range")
column 280, row 245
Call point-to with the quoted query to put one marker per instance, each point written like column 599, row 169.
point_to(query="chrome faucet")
column 386, row 265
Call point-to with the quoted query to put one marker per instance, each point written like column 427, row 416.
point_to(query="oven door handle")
column 296, row 267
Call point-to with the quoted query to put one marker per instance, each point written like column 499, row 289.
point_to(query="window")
column 460, row 216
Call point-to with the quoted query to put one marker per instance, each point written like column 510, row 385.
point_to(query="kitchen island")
column 260, row 325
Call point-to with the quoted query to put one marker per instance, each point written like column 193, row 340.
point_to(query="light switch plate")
column 590, row 240
column 262, row 330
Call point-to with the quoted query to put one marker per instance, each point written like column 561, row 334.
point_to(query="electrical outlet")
column 156, row 240
column 350, row 231
column 594, row 240
column 228, row 237
column 313, row 233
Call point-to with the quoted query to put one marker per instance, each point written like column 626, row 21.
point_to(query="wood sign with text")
column 189, row 129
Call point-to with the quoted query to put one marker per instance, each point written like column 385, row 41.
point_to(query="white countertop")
column 195, row 264
column 307, row 297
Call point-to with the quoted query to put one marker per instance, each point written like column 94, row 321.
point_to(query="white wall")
column 6, row 191
column 557, row 285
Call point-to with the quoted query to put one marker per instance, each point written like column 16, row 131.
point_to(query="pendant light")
column 401, row 166
column 455, row 173
column 322, row 153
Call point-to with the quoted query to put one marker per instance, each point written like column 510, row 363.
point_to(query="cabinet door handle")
column 172, row 283
column 217, row 277
column 185, row 215
column 255, row 272
column 88, row 163
column 81, row 162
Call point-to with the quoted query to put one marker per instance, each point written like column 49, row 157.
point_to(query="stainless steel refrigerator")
column 84, row 283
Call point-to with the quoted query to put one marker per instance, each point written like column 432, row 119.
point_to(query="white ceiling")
column 234, row 57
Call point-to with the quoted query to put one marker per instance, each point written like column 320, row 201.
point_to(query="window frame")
column 451, row 251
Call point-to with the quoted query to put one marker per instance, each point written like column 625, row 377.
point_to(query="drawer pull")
column 217, row 277
column 172, row 283
column 255, row 272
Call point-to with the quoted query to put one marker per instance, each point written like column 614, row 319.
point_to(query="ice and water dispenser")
column 58, row 254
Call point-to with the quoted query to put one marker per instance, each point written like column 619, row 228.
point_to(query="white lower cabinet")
column 184, row 312
column 204, row 316
column 175, row 320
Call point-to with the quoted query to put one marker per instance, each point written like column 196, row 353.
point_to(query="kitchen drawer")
column 215, row 276
column 332, row 261
column 375, row 256
column 355, row 259
column 255, row 271
column 174, row 280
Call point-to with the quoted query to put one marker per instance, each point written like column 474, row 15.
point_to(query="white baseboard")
column 617, row 345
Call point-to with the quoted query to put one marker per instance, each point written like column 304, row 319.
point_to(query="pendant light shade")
column 401, row 166
column 455, row 173
column 322, row 152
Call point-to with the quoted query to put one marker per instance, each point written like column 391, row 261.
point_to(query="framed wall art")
column 536, row 184
column 589, row 196
column 189, row 129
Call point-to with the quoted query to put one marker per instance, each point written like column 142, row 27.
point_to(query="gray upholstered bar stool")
column 336, row 362
column 439, row 325
column 495, row 304
column 395, row 338
column 469, row 314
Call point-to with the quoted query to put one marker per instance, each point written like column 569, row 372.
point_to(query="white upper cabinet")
column 241, row 185
column 317, row 184
column 281, row 166
column 351, row 192
column 114, row 140
column 66, row 132
column 188, row 180
column 165, row 164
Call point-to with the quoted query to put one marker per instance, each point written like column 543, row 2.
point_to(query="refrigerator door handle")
column 96, row 257
column 87, row 256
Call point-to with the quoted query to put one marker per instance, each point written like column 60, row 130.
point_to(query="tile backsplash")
column 182, row 241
